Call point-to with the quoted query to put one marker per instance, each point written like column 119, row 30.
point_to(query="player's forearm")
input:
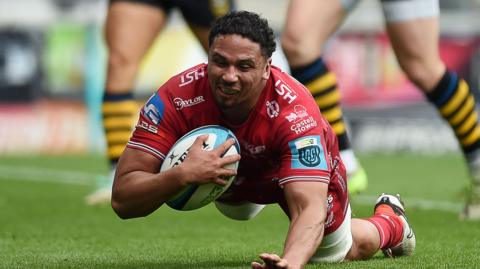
column 304, row 236
column 139, row 193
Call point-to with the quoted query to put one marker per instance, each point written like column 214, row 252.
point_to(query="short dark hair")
column 246, row 24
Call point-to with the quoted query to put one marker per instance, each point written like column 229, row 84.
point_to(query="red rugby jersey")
column 284, row 139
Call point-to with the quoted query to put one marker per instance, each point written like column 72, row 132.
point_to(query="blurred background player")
column 131, row 28
column 413, row 28
column 303, row 50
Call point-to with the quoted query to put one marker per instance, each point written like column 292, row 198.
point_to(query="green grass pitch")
column 44, row 222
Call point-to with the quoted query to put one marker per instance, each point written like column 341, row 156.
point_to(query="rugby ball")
column 196, row 196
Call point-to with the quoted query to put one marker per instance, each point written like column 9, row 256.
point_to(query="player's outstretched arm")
column 307, row 206
column 139, row 189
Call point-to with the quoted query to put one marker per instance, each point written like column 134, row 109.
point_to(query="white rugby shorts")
column 402, row 10
column 335, row 246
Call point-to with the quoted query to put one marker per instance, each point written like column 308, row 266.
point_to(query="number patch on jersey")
column 307, row 153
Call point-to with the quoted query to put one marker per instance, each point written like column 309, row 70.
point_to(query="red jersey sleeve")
column 172, row 111
column 155, row 130
column 301, row 135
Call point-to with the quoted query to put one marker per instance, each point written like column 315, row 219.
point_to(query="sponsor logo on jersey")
column 299, row 113
column 181, row 104
column 307, row 153
column 154, row 109
column 330, row 220
column 147, row 126
column 273, row 109
column 191, row 76
column 283, row 90
column 303, row 125
column 329, row 202
column 339, row 170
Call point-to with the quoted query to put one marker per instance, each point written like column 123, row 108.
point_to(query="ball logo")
column 179, row 160
column 176, row 161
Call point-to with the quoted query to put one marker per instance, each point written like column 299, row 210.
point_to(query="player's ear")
column 266, row 72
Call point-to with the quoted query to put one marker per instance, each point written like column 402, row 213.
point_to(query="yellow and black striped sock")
column 456, row 104
column 119, row 116
column 323, row 85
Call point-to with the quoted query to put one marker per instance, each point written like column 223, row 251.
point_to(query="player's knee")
column 413, row 70
column 292, row 46
column 240, row 211
column 424, row 75
column 118, row 60
column 287, row 42
column 299, row 51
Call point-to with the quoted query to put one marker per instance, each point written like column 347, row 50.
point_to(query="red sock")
column 389, row 226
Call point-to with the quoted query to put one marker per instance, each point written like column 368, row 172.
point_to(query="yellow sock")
column 119, row 117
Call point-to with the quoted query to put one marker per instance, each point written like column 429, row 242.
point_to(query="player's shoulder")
column 186, row 89
column 288, row 88
column 186, row 79
column 289, row 93
column 292, row 106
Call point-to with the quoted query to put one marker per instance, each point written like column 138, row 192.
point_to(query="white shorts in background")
column 402, row 10
column 398, row 11
column 335, row 246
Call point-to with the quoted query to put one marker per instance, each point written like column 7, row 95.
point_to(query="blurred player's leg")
column 200, row 14
column 308, row 25
column 130, row 30
column 414, row 32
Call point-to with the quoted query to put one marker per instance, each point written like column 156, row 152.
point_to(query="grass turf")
column 47, row 225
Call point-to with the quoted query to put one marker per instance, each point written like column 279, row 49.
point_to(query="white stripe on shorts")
column 405, row 10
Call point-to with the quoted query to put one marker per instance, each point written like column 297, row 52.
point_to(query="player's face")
column 237, row 72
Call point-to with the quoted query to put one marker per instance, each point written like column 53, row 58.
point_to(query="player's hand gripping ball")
column 196, row 196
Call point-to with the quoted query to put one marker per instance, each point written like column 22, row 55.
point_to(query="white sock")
column 349, row 160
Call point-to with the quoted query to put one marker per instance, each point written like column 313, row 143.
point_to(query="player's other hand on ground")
column 271, row 261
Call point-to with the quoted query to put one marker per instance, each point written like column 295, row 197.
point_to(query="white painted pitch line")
column 40, row 174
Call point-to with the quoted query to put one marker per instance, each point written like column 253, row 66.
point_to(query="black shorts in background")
column 197, row 12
